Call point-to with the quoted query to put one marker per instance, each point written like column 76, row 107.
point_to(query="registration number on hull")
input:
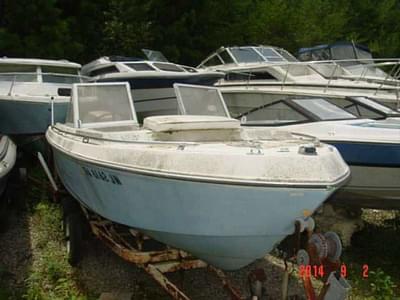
column 101, row 175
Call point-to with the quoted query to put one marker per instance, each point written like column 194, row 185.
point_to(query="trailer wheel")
column 69, row 205
column 73, row 237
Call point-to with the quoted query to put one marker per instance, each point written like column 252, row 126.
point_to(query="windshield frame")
column 77, row 123
column 310, row 116
column 180, row 101
column 385, row 114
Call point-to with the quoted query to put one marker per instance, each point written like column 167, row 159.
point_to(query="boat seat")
column 101, row 116
column 189, row 122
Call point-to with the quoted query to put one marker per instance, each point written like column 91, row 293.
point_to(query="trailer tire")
column 73, row 237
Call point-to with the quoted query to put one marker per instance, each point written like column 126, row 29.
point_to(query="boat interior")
column 92, row 115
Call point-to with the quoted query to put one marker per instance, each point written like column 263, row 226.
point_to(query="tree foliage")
column 188, row 30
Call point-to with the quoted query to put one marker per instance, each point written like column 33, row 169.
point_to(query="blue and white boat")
column 28, row 89
column 8, row 154
column 152, row 79
column 200, row 183
column 370, row 147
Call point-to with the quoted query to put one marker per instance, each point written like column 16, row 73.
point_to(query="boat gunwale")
column 340, row 181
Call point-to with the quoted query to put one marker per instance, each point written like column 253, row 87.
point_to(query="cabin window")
column 226, row 57
column 105, row 70
column 56, row 74
column 140, row 67
column 261, row 75
column 343, row 52
column 213, row 61
column 168, row 67
column 15, row 72
column 320, row 54
column 277, row 112
column 246, row 55
column 305, row 56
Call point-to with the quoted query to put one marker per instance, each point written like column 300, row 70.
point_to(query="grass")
column 50, row 276
column 373, row 260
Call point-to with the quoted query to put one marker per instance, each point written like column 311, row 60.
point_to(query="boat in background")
column 370, row 147
column 352, row 61
column 152, row 80
column 28, row 90
column 198, row 181
column 8, row 154
column 257, row 75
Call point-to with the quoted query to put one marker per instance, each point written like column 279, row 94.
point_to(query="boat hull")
column 371, row 187
column 226, row 225
column 375, row 179
column 21, row 117
column 8, row 155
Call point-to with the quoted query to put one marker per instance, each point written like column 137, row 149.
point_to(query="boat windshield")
column 200, row 100
column 323, row 109
column 102, row 104
column 154, row 55
column 261, row 54
column 246, row 55
column 377, row 106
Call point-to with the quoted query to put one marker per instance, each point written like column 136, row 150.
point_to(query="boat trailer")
column 132, row 246
column 304, row 248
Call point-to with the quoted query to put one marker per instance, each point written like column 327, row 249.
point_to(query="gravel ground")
column 15, row 252
column 103, row 271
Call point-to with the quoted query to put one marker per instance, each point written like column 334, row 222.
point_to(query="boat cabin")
column 38, row 70
column 118, row 64
column 37, row 77
column 257, row 63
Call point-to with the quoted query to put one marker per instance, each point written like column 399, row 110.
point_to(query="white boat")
column 370, row 147
column 152, row 79
column 28, row 89
column 8, row 155
column 259, row 75
column 200, row 183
